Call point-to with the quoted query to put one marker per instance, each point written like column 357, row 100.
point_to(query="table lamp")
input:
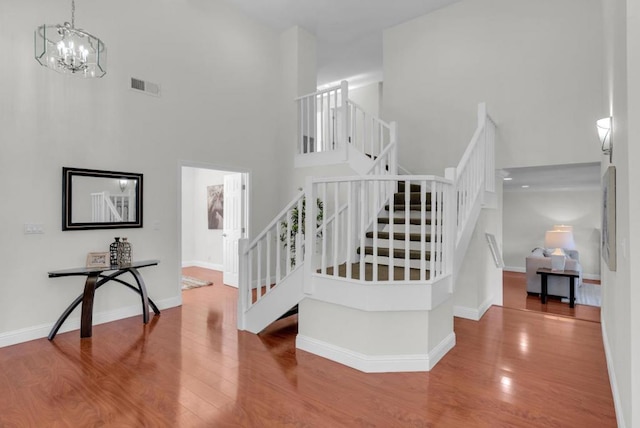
column 560, row 240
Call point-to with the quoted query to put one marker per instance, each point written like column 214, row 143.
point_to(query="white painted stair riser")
column 397, row 244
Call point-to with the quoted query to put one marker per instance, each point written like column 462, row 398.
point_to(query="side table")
column 96, row 278
column 571, row 274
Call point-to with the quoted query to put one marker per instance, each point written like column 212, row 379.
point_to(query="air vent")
column 148, row 88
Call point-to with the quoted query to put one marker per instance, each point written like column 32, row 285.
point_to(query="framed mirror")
column 94, row 199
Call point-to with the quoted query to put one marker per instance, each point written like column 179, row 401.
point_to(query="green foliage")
column 297, row 223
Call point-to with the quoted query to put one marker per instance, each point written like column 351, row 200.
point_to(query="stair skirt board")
column 377, row 363
column 383, row 272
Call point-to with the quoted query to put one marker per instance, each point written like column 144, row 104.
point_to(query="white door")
column 233, row 225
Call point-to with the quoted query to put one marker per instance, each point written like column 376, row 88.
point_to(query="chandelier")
column 70, row 50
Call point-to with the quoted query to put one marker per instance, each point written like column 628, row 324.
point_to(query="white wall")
column 537, row 64
column 369, row 97
column 201, row 246
column 527, row 215
column 621, row 297
column 479, row 282
column 298, row 77
column 219, row 74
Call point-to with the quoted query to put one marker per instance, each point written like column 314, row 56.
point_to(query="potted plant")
column 297, row 223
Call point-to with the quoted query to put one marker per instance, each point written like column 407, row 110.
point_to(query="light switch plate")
column 33, row 228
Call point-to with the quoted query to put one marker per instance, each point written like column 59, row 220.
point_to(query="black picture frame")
column 134, row 205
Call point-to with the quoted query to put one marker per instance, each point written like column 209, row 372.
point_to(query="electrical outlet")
column 33, row 228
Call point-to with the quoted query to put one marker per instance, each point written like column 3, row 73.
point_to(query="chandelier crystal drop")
column 70, row 50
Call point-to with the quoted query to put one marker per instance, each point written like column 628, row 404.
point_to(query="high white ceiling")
column 348, row 32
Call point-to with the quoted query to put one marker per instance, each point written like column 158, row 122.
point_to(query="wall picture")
column 608, row 244
column 215, row 205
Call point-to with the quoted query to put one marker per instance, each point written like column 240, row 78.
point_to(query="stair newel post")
column 393, row 155
column 450, row 223
column 344, row 137
column 244, row 285
column 310, row 233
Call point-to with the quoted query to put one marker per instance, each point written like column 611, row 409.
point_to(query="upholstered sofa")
column 556, row 286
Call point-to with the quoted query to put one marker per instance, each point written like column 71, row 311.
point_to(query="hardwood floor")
column 514, row 286
column 190, row 367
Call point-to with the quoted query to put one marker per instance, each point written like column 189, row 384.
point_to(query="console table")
column 571, row 274
column 96, row 278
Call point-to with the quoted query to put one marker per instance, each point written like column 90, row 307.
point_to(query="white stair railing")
column 352, row 207
column 103, row 209
column 330, row 123
column 321, row 116
column 474, row 175
column 347, row 210
column 368, row 134
column 272, row 255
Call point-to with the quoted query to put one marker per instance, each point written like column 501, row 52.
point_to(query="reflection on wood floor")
column 190, row 367
column 514, row 285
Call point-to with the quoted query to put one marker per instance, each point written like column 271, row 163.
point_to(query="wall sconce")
column 123, row 184
column 605, row 129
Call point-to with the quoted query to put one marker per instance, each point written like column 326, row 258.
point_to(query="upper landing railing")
column 329, row 122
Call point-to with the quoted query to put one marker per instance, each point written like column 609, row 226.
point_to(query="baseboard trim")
column 612, row 376
column 204, row 265
column 39, row 331
column 377, row 363
column 472, row 313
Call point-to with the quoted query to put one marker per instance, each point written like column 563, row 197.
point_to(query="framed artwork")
column 608, row 236
column 215, row 206
column 98, row 259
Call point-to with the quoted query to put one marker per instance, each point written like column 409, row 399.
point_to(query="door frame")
column 246, row 200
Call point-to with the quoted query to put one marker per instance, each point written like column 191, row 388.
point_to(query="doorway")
column 214, row 213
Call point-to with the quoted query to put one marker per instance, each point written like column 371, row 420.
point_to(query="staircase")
column 407, row 246
column 380, row 242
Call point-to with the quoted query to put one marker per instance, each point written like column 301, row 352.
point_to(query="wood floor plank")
column 190, row 367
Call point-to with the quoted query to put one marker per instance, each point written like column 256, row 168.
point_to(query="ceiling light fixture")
column 605, row 129
column 70, row 50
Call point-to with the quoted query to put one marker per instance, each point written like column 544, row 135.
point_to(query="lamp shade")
column 559, row 239
column 564, row 227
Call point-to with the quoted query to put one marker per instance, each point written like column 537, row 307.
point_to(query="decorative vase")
column 113, row 252
column 124, row 253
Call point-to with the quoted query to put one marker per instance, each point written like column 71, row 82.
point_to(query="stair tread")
column 412, row 207
column 398, row 253
column 383, row 272
column 401, row 220
column 400, row 236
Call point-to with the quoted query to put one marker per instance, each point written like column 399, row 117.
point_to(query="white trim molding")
column 205, row 265
column 40, row 331
column 612, row 376
column 472, row 313
column 377, row 363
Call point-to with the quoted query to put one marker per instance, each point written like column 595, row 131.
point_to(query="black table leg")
column 143, row 294
column 572, row 292
column 543, row 293
column 86, row 319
